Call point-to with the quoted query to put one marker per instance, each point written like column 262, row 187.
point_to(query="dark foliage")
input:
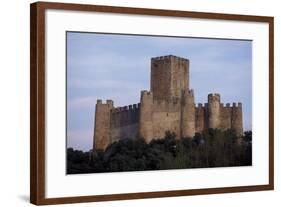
column 212, row 148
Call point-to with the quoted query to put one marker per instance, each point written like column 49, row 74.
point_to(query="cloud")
column 117, row 67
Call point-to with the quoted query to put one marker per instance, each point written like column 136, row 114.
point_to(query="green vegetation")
column 213, row 148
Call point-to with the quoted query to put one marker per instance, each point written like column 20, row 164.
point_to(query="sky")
column 117, row 67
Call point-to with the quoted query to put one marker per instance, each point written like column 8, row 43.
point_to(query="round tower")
column 214, row 110
column 188, row 114
column 102, row 124
column 145, row 123
column 237, row 119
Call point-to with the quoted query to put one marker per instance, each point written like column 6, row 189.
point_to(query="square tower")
column 169, row 77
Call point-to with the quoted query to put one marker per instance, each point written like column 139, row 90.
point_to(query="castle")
column 168, row 106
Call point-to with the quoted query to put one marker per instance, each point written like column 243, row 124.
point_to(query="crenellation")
column 146, row 93
column 200, row 105
column 132, row 107
column 168, row 105
column 170, row 57
column 213, row 97
column 110, row 102
column 237, row 105
column 102, row 125
column 123, row 116
column 143, row 92
column 99, row 101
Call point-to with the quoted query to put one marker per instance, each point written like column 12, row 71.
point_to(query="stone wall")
column 128, row 131
column 231, row 117
column 166, row 117
column 123, row 116
column 201, row 117
column 124, row 122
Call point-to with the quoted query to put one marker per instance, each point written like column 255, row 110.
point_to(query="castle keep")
column 168, row 106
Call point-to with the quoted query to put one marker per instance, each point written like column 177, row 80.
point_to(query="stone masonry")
column 168, row 106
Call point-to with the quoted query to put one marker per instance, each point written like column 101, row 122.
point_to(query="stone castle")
column 168, row 106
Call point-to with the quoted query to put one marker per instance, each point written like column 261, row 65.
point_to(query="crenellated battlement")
column 167, row 106
column 201, row 105
column 213, row 97
column 146, row 94
column 233, row 105
column 228, row 105
column 169, row 58
column 132, row 107
column 99, row 101
column 125, row 115
column 108, row 102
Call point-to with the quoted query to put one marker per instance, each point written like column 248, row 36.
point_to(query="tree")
column 212, row 148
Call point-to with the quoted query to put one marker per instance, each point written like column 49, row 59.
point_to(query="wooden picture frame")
column 38, row 98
